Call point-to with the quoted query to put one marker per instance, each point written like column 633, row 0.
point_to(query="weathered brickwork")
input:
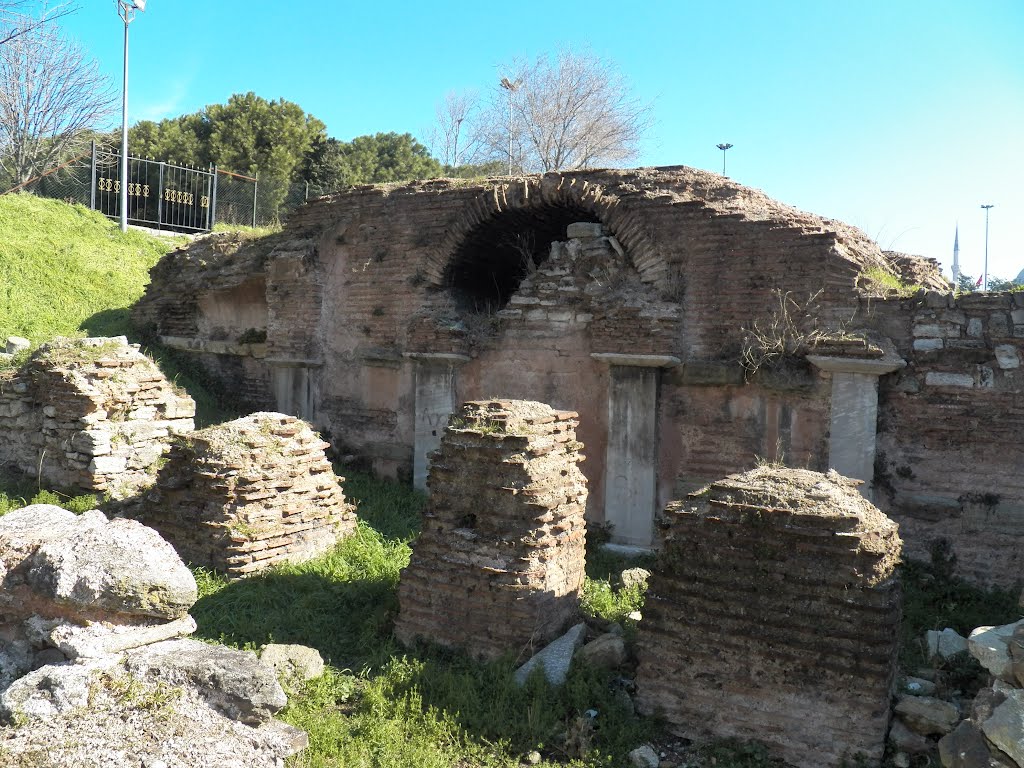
column 94, row 414
column 950, row 426
column 243, row 496
column 772, row 614
column 530, row 281
column 499, row 565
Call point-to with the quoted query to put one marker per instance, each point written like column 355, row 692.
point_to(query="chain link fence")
column 167, row 196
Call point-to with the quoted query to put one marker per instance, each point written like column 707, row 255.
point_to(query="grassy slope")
column 68, row 271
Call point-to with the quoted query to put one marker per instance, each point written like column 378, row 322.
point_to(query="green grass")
column 935, row 598
column 385, row 705
column 381, row 705
column 881, row 280
column 68, row 271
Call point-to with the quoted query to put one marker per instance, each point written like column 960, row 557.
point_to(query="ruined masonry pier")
column 499, row 565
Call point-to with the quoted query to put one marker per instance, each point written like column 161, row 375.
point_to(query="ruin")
column 498, row 567
column 94, row 414
column 694, row 323
column 246, row 495
column 94, row 614
column 773, row 615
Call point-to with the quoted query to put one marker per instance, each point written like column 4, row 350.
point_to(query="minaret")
column 956, row 257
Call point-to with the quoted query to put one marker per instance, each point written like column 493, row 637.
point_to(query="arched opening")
column 493, row 259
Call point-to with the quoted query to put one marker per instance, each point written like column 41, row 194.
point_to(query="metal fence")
column 164, row 195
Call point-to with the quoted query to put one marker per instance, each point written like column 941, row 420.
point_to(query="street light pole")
column 724, row 148
column 126, row 10
column 511, row 87
column 986, row 209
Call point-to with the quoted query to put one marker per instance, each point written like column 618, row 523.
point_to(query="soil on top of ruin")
column 775, row 488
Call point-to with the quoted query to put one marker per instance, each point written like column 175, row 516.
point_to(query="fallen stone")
column 293, row 663
column 917, row 686
column 231, row 681
column 991, row 647
column 555, row 658
column 964, row 747
column 906, row 740
column 15, row 660
column 51, row 690
column 927, row 715
column 644, row 757
column 605, row 652
column 16, row 344
column 145, row 724
column 945, row 644
column 1005, row 728
column 901, row 760
column 985, row 703
column 85, row 561
column 98, row 639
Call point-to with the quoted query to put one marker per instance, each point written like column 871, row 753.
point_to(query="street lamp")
column 724, row 147
column 126, row 10
column 511, row 87
column 986, row 209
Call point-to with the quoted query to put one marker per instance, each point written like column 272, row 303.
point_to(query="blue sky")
column 899, row 116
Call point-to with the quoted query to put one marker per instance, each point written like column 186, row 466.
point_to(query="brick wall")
column 950, row 424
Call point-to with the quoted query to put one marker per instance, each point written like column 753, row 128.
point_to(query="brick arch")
column 552, row 190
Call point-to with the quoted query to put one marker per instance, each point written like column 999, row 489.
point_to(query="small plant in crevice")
column 791, row 328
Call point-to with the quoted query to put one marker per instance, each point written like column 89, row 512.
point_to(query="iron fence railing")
column 169, row 196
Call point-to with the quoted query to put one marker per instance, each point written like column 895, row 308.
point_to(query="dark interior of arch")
column 495, row 257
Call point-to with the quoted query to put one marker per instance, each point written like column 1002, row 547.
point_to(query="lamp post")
column 511, row 87
column 986, row 209
column 126, row 10
column 724, row 148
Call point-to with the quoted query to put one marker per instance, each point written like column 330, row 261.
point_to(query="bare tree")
column 573, row 110
column 19, row 17
column 51, row 95
column 452, row 139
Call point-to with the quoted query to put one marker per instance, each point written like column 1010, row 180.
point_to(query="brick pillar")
column 631, row 459
column 773, row 615
column 499, row 564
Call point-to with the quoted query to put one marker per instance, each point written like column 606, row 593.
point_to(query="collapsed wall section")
column 773, row 615
column 243, row 496
column 498, row 567
column 94, row 414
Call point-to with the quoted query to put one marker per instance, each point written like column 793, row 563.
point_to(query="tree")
column 17, row 17
column 51, row 96
column 388, row 157
column 452, row 139
column 573, row 110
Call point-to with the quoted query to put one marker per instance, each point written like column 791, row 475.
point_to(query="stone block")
column 16, row 344
column 1005, row 728
column 975, row 328
column 990, row 646
column 584, row 229
column 943, row 379
column 923, row 345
